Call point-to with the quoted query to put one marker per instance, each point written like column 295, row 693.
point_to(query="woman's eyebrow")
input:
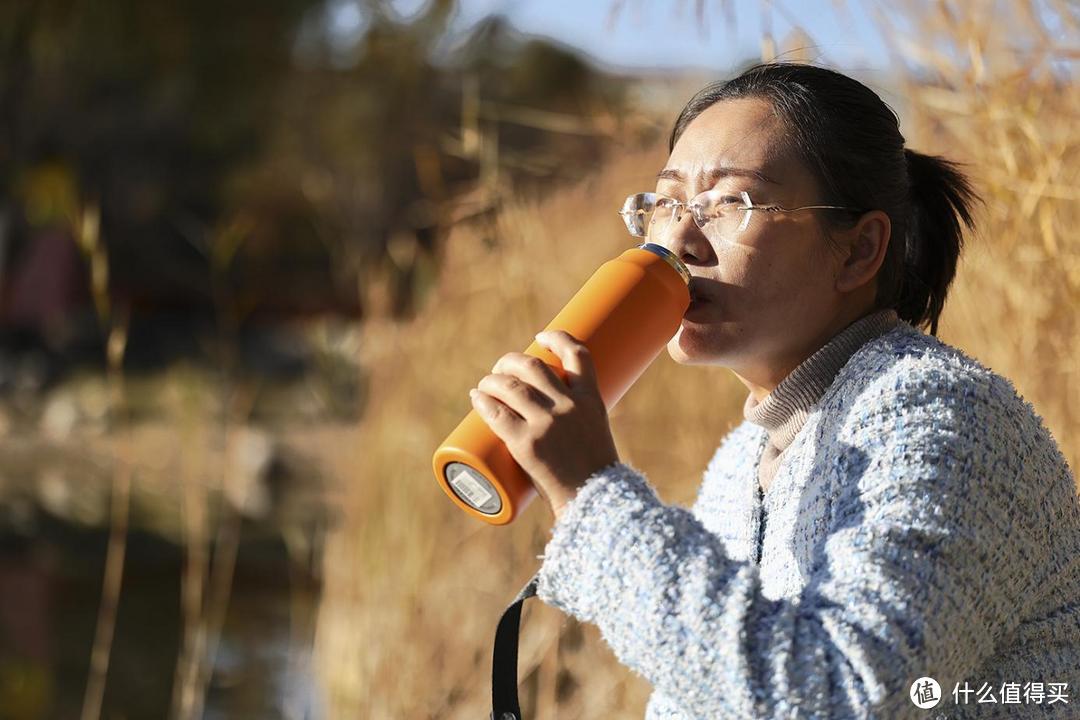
column 713, row 174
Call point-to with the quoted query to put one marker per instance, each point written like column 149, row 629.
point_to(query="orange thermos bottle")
column 625, row 314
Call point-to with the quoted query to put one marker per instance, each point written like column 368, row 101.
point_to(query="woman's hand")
column 557, row 432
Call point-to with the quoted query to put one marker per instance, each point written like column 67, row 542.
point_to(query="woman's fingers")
column 500, row 417
column 574, row 356
column 535, row 372
column 523, row 389
column 523, row 401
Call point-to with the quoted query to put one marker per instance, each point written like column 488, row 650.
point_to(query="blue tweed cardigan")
column 923, row 523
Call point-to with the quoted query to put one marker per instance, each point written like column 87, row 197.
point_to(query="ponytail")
column 940, row 197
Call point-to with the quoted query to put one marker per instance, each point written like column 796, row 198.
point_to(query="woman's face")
column 764, row 298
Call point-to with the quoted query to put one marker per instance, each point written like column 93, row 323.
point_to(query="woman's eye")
column 723, row 203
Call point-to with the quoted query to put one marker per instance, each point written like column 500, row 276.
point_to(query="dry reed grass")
column 1015, row 301
column 415, row 587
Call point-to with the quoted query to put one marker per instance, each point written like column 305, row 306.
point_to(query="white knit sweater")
column 922, row 522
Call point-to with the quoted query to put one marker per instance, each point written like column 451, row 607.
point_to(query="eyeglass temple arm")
column 781, row 208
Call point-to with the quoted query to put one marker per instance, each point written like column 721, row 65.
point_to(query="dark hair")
column 850, row 139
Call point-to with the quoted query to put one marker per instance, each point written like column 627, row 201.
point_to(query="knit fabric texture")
column 784, row 410
column 923, row 523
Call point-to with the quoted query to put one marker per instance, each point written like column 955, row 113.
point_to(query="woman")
column 890, row 514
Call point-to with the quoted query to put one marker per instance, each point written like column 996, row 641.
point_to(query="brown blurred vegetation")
column 195, row 201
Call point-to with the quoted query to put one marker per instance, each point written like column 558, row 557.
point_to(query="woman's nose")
column 685, row 239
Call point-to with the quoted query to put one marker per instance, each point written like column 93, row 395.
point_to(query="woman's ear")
column 866, row 244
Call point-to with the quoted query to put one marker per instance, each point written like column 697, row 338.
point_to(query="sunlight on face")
column 764, row 294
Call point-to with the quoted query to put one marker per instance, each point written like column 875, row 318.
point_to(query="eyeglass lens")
column 647, row 215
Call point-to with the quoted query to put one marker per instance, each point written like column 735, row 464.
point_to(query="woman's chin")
column 690, row 346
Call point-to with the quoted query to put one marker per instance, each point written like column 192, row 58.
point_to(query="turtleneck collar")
column 784, row 410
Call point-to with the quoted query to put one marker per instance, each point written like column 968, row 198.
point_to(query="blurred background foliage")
column 245, row 163
column 237, row 245
column 201, row 203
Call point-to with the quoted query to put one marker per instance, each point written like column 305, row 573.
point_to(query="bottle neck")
column 669, row 257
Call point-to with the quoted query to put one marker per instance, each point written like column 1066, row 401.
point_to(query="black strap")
column 504, row 690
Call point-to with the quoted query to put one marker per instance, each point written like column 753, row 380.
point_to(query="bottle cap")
column 669, row 258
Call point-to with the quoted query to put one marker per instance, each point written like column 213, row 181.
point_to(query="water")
column 51, row 585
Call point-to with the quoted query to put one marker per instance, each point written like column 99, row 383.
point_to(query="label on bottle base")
column 473, row 488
